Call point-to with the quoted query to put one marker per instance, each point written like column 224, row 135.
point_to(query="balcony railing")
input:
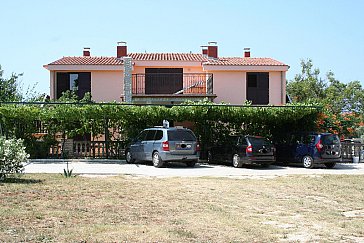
column 172, row 83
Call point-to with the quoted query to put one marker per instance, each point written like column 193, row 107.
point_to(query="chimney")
column 86, row 52
column 246, row 52
column 212, row 49
column 204, row 50
column 121, row 50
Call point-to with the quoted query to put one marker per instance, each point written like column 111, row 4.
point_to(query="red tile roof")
column 190, row 57
column 241, row 61
column 224, row 61
column 87, row 61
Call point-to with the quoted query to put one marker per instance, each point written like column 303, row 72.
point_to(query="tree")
column 307, row 86
column 343, row 103
column 9, row 88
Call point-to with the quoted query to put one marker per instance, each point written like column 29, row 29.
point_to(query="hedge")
column 212, row 123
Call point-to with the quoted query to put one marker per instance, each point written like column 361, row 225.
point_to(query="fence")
column 88, row 149
column 351, row 151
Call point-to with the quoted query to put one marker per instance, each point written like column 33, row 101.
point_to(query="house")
column 171, row 78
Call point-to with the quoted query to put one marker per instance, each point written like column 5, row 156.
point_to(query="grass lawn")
column 51, row 208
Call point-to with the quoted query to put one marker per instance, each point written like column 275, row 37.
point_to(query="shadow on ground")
column 14, row 180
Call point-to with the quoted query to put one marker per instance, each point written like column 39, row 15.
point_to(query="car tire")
column 237, row 163
column 128, row 157
column 156, row 159
column 330, row 165
column 307, row 162
column 191, row 163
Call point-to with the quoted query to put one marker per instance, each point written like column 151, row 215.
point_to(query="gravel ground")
column 120, row 167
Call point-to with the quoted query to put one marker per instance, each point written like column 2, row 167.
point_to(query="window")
column 80, row 83
column 150, row 135
column 257, row 88
column 73, row 81
column 159, row 135
column 252, row 81
column 163, row 80
column 141, row 136
column 181, row 135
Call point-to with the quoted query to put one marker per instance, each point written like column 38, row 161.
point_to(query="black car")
column 309, row 149
column 243, row 149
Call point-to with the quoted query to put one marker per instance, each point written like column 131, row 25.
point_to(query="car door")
column 148, row 145
column 136, row 147
column 304, row 147
column 330, row 146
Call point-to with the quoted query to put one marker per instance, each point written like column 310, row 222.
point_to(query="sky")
column 37, row 32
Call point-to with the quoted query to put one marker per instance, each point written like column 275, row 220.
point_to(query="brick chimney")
column 121, row 49
column 212, row 49
column 246, row 52
column 204, row 50
column 86, row 52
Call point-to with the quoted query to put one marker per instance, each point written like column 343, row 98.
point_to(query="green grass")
column 51, row 208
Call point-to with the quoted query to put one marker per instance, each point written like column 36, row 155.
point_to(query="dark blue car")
column 310, row 149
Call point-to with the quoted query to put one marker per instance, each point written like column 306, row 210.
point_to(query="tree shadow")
column 13, row 180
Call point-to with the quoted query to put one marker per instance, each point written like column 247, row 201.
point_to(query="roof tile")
column 87, row 61
column 188, row 57
column 244, row 61
column 191, row 57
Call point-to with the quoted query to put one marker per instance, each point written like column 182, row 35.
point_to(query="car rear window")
column 256, row 141
column 181, row 135
column 330, row 139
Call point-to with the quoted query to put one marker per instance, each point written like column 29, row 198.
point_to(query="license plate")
column 183, row 146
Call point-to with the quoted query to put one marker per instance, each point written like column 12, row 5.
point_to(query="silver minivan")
column 160, row 145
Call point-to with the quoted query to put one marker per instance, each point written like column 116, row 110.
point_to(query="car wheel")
column 128, row 157
column 157, row 161
column 191, row 163
column 237, row 163
column 330, row 165
column 307, row 162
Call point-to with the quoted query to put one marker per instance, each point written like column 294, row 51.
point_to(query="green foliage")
column 307, row 86
column 67, row 172
column 343, row 102
column 212, row 122
column 9, row 88
column 12, row 156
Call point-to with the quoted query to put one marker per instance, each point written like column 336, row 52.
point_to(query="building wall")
column 52, row 84
column 107, row 86
column 230, row 87
column 277, row 84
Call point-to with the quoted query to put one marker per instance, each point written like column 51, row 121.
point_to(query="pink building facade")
column 171, row 78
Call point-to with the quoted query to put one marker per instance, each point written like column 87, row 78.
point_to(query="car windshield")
column 258, row 141
column 330, row 139
column 181, row 135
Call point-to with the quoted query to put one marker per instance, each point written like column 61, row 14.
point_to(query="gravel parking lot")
column 120, row 167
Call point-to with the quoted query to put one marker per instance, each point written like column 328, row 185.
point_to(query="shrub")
column 12, row 156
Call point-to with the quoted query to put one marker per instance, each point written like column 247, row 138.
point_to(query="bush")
column 12, row 156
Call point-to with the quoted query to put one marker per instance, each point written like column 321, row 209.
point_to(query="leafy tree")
column 9, row 88
column 307, row 86
column 343, row 103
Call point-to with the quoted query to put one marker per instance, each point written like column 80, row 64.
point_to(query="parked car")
column 310, row 149
column 164, row 144
column 243, row 149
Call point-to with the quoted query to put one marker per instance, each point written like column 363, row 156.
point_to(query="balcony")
column 172, row 86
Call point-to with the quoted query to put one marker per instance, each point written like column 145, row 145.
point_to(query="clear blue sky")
column 330, row 32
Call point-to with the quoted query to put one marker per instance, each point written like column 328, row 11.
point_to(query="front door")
column 163, row 80
column 258, row 88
